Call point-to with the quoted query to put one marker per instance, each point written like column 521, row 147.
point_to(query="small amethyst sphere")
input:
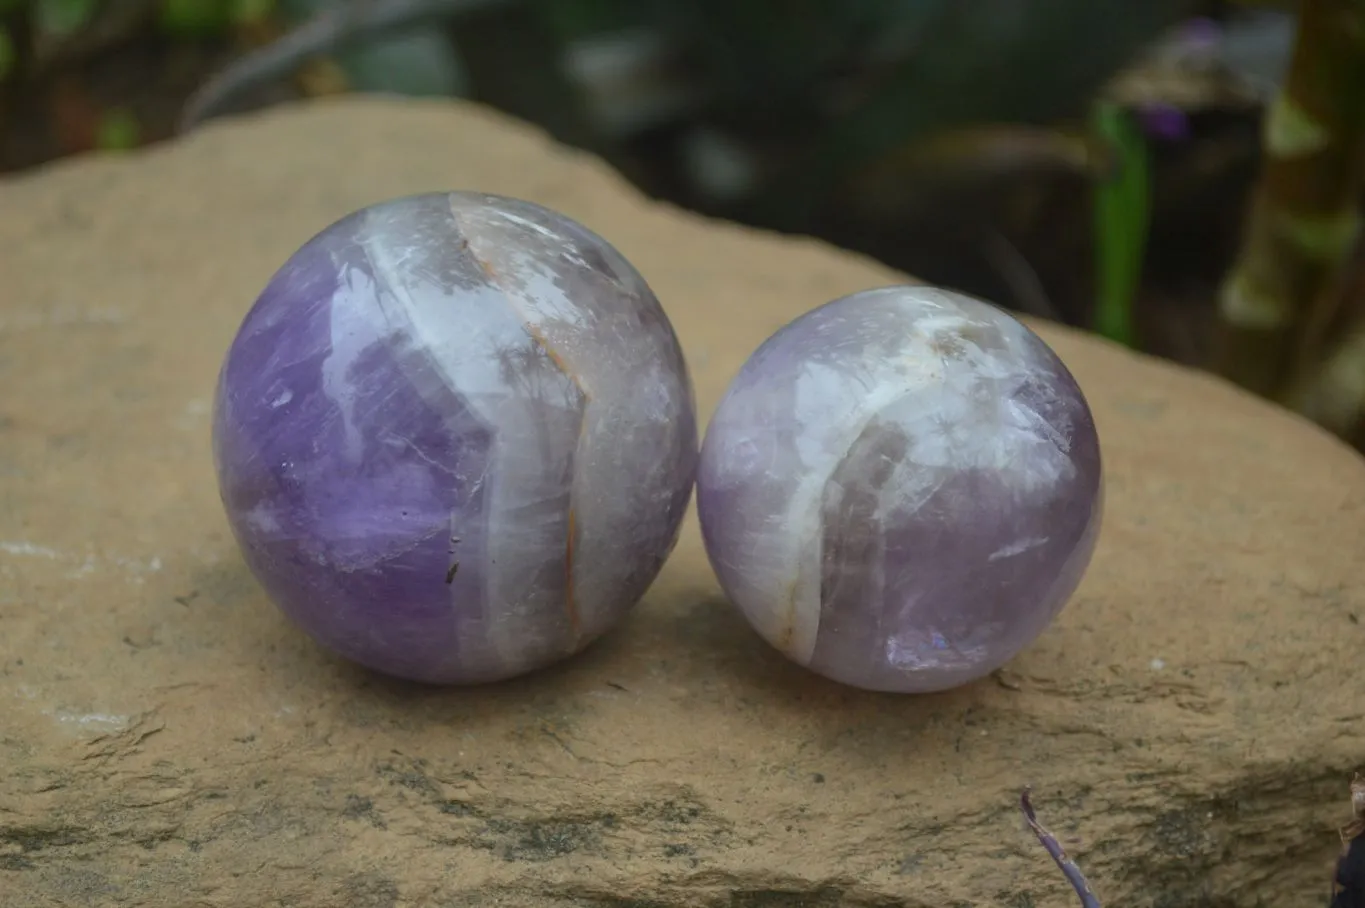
column 901, row 489
column 455, row 437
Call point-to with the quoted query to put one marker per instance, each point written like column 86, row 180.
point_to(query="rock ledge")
column 1189, row 725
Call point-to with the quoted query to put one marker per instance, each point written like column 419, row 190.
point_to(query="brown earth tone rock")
column 166, row 739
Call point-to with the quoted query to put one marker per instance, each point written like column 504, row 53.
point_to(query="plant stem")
column 1121, row 222
column 1276, row 302
column 1054, row 848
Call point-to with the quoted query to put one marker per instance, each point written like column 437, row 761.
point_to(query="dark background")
column 954, row 140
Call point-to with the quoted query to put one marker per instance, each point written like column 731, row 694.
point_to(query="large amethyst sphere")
column 901, row 489
column 455, row 437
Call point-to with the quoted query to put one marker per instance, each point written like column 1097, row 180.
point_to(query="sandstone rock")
column 1189, row 724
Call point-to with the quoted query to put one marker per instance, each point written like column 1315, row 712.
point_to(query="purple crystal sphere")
column 455, row 437
column 901, row 489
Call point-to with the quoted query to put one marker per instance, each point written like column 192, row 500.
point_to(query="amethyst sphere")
column 455, row 437
column 901, row 489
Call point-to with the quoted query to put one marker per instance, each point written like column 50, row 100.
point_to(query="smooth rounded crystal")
column 901, row 489
column 455, row 437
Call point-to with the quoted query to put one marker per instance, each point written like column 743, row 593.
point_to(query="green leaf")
column 1122, row 202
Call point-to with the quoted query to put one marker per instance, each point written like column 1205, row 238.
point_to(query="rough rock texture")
column 167, row 739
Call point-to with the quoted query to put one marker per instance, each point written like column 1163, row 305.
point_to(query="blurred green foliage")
column 204, row 18
column 61, row 17
column 48, row 17
column 7, row 54
column 815, row 94
column 118, row 131
column 180, row 19
column 417, row 62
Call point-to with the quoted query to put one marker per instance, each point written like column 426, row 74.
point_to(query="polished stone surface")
column 901, row 489
column 455, row 437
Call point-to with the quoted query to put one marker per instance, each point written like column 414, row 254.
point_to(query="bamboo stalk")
column 1275, row 303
